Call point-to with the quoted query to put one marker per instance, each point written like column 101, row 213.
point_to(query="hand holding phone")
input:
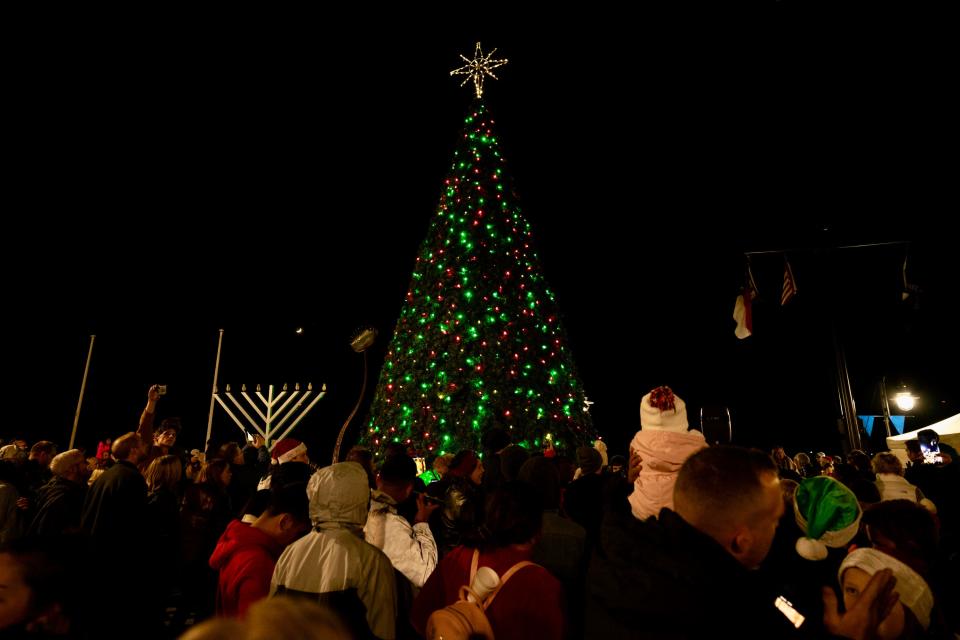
column 930, row 446
column 428, row 497
column 931, row 452
column 426, row 505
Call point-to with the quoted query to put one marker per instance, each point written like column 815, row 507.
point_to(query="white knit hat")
column 914, row 591
column 661, row 409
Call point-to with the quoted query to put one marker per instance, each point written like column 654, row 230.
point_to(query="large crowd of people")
column 677, row 540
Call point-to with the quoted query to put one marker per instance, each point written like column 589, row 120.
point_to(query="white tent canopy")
column 948, row 430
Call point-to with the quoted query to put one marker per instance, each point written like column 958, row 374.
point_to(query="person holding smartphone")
column 162, row 441
column 410, row 546
column 938, row 480
column 914, row 454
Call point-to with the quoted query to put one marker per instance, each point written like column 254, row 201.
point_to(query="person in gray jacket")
column 332, row 564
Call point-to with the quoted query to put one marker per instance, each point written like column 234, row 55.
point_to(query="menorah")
column 271, row 421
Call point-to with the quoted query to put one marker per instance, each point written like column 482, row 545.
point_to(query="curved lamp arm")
column 363, row 341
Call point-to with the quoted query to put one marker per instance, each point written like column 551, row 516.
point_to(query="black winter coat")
column 664, row 579
column 59, row 506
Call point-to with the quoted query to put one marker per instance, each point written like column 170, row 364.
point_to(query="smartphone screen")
column 931, row 452
column 786, row 608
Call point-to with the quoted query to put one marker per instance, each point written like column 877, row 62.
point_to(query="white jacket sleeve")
column 412, row 550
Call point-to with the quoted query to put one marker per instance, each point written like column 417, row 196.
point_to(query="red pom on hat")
column 286, row 450
column 662, row 398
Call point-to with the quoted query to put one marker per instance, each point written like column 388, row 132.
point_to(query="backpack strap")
column 509, row 574
column 473, row 566
column 466, row 591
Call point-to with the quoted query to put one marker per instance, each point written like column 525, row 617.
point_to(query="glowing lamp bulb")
column 905, row 401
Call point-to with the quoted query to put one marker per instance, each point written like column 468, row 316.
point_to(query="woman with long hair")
column 203, row 518
column 530, row 604
column 163, row 476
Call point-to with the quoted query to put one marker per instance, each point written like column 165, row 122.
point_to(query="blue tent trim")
column 897, row 422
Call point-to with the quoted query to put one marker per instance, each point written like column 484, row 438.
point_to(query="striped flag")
column 789, row 283
column 743, row 308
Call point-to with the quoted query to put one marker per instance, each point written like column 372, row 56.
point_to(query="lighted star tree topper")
column 478, row 67
column 479, row 342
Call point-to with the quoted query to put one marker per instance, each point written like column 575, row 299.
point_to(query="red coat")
column 530, row 605
column 245, row 558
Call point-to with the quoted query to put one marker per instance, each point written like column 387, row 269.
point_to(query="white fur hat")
column 661, row 409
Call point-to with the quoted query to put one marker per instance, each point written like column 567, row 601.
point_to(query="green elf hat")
column 829, row 514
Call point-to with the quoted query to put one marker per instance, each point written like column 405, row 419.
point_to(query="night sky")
column 279, row 175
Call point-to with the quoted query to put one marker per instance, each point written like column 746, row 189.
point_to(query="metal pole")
column 886, row 405
column 845, row 393
column 853, row 427
column 213, row 392
column 343, row 429
column 83, row 388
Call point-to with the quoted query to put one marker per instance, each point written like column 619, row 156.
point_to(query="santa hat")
column 286, row 450
column 661, row 409
column 103, row 451
column 914, row 592
column 829, row 514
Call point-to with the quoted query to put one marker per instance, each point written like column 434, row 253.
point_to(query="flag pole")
column 886, row 405
column 213, row 392
column 848, row 407
column 83, row 388
column 848, row 246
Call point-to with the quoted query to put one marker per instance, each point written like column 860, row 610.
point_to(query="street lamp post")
column 886, row 404
column 361, row 343
column 904, row 399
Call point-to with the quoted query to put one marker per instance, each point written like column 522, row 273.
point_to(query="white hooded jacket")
column 334, row 557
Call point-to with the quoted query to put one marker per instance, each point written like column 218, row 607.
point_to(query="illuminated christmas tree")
column 479, row 342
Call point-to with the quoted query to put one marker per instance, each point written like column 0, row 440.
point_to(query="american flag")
column 789, row 283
